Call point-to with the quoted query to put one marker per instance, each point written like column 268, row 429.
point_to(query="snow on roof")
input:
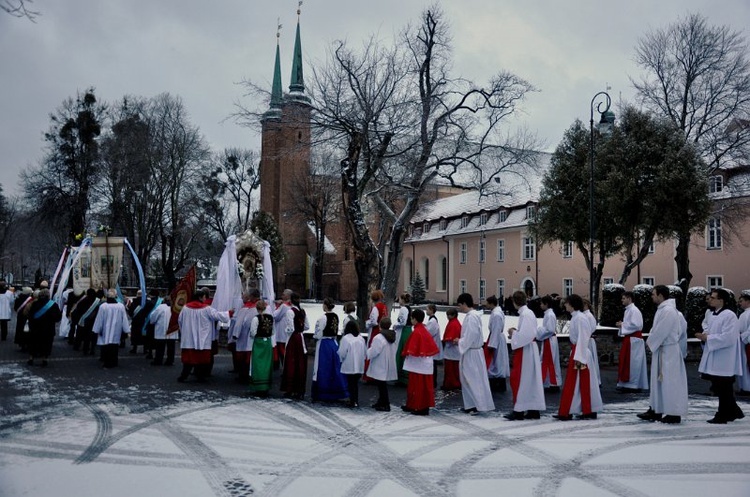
column 328, row 246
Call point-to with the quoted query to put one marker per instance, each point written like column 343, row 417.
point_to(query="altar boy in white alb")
column 526, row 375
column 632, row 371
column 111, row 322
column 743, row 380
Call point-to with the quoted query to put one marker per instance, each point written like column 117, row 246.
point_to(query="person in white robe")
column 6, row 309
column 721, row 360
column 239, row 330
column 475, row 384
column 497, row 347
column 283, row 325
column 433, row 327
column 382, row 357
column 632, row 372
column 743, row 380
column 594, row 366
column 352, row 355
column 668, row 344
column 526, row 375
column 580, row 393
column 110, row 324
column 546, row 335
column 197, row 323
column 164, row 340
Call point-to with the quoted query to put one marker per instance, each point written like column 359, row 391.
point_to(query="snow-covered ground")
column 65, row 445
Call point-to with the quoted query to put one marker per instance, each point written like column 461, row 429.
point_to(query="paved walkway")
column 75, row 429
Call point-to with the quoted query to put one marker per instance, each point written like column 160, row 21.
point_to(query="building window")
column 500, row 250
column 651, row 248
column 500, row 290
column 464, row 221
column 714, row 233
column 715, row 184
column 530, row 212
column 567, row 251
column 529, row 249
column 409, row 270
column 483, row 219
column 482, row 290
column 443, row 280
column 567, row 289
column 482, row 249
column 426, row 227
column 648, row 280
column 714, row 282
column 443, row 224
column 426, row 272
column 462, row 253
column 608, row 281
column 461, row 286
column 502, row 216
column 418, row 231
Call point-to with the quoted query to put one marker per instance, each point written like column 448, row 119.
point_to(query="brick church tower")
column 285, row 155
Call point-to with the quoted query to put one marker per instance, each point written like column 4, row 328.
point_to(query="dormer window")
column 426, row 226
column 502, row 215
column 530, row 212
column 483, row 219
column 464, row 221
column 443, row 224
column 715, row 184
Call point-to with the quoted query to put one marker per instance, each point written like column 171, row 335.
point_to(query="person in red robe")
column 451, row 354
column 418, row 353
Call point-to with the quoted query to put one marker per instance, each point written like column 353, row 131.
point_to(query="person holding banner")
column 43, row 314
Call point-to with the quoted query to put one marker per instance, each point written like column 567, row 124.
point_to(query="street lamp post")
column 605, row 124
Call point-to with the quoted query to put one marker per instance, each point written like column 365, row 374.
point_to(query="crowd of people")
column 265, row 336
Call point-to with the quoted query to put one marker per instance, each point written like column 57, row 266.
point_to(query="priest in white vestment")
column 668, row 344
column 497, row 347
column 743, row 380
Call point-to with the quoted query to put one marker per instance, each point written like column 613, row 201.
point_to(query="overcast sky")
column 200, row 49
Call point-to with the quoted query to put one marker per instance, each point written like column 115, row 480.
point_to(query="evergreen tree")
column 418, row 291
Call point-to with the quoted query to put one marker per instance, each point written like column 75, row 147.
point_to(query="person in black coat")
column 43, row 315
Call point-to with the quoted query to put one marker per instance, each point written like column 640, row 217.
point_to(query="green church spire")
column 297, row 83
column 276, row 93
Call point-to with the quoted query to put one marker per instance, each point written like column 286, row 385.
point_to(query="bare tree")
column 317, row 201
column 19, row 8
column 60, row 188
column 228, row 191
column 698, row 76
column 406, row 121
column 179, row 153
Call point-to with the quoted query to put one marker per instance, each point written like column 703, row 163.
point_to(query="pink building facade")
column 481, row 245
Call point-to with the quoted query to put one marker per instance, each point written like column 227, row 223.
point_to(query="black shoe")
column 471, row 410
column 30, row 362
column 155, row 363
column 421, row 412
column 590, row 415
column 738, row 414
column 532, row 415
column 716, row 420
column 514, row 416
column 44, row 364
column 649, row 415
column 182, row 379
column 671, row 420
column 383, row 408
column 406, row 409
column 562, row 418
column 168, row 364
